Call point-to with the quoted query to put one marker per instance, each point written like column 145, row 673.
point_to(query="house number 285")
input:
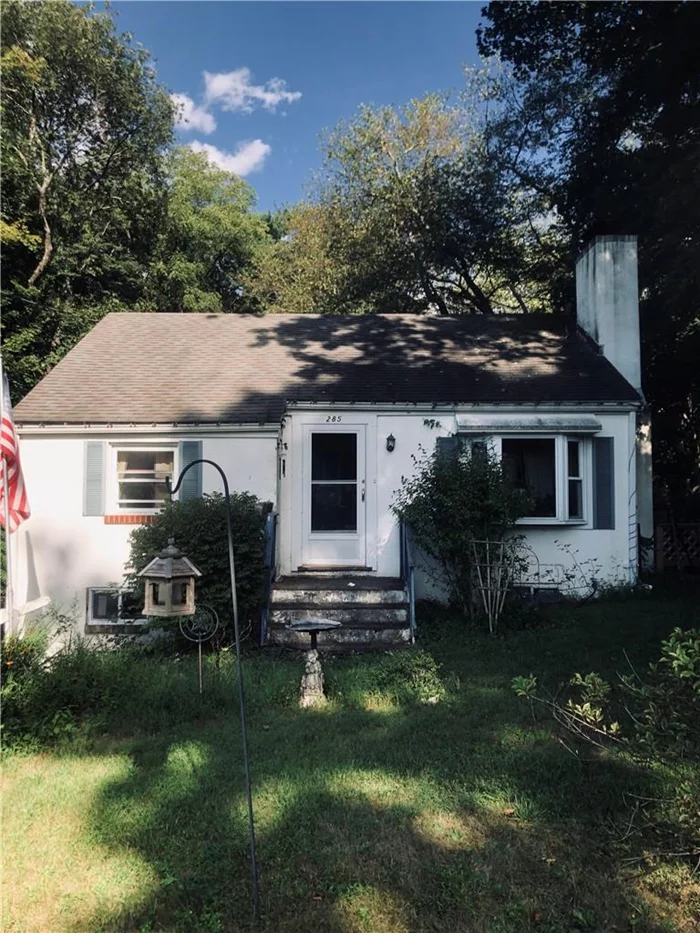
column 333, row 419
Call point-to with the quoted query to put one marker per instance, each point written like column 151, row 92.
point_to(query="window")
column 141, row 476
column 575, row 489
column 530, row 464
column 551, row 470
column 113, row 605
column 334, row 482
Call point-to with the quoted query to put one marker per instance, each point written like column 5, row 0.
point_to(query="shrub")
column 453, row 501
column 199, row 529
column 659, row 712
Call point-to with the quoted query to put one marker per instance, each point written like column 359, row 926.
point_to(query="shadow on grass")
column 400, row 819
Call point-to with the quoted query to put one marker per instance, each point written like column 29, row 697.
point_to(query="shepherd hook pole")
column 241, row 697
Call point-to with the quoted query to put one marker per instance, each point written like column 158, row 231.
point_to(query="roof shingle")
column 144, row 368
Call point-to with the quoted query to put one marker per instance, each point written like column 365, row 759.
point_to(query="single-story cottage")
column 322, row 416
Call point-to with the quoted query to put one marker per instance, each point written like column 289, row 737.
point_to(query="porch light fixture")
column 390, row 443
column 169, row 582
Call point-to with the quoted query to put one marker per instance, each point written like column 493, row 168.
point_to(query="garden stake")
column 239, row 669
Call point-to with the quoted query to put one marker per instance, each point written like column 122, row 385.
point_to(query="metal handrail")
column 408, row 573
column 270, row 564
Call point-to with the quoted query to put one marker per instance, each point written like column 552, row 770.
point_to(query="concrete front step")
column 334, row 596
column 337, row 581
column 357, row 616
column 373, row 611
column 379, row 636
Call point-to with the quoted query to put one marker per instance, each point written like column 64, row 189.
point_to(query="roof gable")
column 143, row 368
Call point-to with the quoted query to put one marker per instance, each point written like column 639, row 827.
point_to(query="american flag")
column 16, row 509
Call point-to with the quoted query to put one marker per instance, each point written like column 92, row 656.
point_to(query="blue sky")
column 327, row 57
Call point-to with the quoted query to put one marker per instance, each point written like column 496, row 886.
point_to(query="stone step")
column 380, row 636
column 337, row 597
column 356, row 616
column 337, row 581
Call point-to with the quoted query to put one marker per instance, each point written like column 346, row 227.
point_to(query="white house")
column 322, row 416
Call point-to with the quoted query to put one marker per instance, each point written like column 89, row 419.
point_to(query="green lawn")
column 409, row 803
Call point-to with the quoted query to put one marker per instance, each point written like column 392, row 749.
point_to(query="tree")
column 298, row 270
column 416, row 211
column 209, row 237
column 84, row 128
column 609, row 95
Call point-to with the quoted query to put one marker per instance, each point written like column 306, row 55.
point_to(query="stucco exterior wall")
column 59, row 552
column 575, row 549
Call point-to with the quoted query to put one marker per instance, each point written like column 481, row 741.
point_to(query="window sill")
column 549, row 522
column 141, row 518
column 114, row 628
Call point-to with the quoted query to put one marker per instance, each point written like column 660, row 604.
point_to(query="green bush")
column 199, row 529
column 655, row 718
column 453, row 500
column 86, row 692
column 667, row 702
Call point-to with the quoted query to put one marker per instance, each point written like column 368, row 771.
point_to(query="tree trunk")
column 48, row 241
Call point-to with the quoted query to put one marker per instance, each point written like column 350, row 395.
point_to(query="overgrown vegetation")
column 652, row 717
column 422, row 797
column 457, row 500
column 199, row 528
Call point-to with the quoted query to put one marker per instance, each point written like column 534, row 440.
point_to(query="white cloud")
column 246, row 158
column 233, row 90
column 191, row 117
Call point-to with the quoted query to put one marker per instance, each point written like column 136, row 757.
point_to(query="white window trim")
column 561, row 477
column 112, row 501
column 119, row 590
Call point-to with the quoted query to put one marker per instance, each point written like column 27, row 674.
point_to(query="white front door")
column 334, row 496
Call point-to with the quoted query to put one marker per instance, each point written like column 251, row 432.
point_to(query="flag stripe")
column 10, row 468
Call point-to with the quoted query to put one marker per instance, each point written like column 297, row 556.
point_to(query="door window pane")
column 333, row 456
column 529, row 465
column 334, row 507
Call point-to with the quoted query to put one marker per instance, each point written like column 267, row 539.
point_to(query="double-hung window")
column 141, row 475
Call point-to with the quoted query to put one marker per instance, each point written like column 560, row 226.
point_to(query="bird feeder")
column 170, row 579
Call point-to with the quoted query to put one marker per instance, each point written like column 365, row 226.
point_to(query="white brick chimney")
column 607, row 302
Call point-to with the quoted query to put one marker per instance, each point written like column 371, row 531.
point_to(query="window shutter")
column 447, row 446
column 94, row 478
column 192, row 483
column 603, row 483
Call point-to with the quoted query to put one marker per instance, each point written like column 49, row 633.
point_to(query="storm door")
column 334, row 496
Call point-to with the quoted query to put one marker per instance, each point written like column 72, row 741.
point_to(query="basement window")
column 113, row 605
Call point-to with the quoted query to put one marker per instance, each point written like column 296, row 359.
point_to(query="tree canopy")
column 416, row 209
column 208, row 237
column 84, row 126
column 608, row 104
column 99, row 211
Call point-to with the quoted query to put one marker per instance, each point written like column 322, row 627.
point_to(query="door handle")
column 363, row 490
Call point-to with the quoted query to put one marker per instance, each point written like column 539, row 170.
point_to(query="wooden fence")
column 677, row 547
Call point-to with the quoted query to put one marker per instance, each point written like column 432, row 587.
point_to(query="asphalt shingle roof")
column 144, row 368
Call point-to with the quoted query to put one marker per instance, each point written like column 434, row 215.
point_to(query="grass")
column 423, row 797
